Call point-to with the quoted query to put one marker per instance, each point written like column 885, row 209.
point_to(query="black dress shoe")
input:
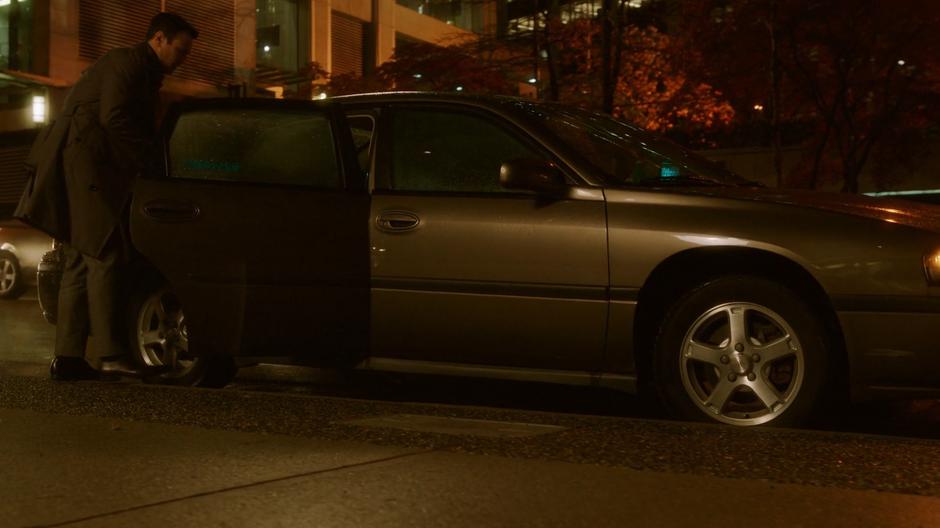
column 65, row 368
column 123, row 366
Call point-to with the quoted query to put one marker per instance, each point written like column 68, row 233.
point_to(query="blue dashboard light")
column 668, row 171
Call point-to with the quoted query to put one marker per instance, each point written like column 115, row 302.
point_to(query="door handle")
column 171, row 211
column 397, row 221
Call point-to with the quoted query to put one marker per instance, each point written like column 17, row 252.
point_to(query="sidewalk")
column 87, row 471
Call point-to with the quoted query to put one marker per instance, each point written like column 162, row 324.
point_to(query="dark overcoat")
column 84, row 164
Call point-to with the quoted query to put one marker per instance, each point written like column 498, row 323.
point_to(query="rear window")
column 255, row 146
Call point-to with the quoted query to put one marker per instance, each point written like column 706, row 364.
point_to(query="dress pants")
column 93, row 302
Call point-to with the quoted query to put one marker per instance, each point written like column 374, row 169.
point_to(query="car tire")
column 741, row 350
column 159, row 337
column 12, row 282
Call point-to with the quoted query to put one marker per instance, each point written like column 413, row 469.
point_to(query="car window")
column 451, row 151
column 362, row 128
column 257, row 146
column 624, row 153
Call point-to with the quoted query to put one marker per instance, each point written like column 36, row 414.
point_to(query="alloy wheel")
column 741, row 363
column 162, row 335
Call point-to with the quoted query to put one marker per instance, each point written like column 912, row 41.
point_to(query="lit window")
column 281, row 28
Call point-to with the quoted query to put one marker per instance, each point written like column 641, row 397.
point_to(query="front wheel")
column 742, row 351
column 160, row 337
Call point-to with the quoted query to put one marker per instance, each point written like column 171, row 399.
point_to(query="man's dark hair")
column 170, row 24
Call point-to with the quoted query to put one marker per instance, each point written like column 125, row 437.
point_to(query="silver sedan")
column 504, row 238
column 21, row 248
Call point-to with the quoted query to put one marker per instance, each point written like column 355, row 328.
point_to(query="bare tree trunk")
column 854, row 161
column 536, row 51
column 850, row 180
column 607, row 31
column 819, row 99
column 618, row 35
column 775, row 75
column 551, row 46
column 860, row 148
column 821, row 147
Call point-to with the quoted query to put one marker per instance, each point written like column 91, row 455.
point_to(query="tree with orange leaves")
column 651, row 89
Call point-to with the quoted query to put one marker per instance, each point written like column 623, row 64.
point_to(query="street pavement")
column 303, row 447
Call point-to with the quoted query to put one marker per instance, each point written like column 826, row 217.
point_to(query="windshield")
column 626, row 154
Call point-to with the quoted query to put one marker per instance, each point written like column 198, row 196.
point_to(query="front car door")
column 467, row 272
column 258, row 220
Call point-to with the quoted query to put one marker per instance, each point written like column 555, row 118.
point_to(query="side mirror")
column 531, row 175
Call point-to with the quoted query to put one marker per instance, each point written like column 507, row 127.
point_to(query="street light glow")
column 39, row 108
column 533, row 80
column 267, row 48
column 901, row 62
column 460, row 88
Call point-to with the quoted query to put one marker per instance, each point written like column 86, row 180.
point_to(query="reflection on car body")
column 21, row 248
column 506, row 238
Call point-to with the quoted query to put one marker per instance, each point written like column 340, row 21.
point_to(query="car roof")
column 502, row 102
column 404, row 96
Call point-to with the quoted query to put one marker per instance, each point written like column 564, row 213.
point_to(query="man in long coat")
column 85, row 166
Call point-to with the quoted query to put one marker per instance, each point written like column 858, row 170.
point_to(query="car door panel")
column 465, row 271
column 500, row 281
column 261, row 269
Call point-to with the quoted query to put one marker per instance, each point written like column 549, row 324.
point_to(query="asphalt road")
column 891, row 448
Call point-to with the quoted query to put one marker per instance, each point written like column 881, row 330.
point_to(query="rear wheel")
column 742, row 351
column 160, row 337
column 12, row 283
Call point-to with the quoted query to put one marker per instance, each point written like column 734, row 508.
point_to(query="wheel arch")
column 685, row 270
column 204, row 370
column 146, row 275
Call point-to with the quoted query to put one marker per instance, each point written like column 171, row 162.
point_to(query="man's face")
column 171, row 53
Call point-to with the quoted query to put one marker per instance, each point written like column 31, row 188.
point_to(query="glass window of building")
column 282, row 34
column 16, row 18
column 465, row 14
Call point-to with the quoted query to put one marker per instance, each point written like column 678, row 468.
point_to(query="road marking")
column 456, row 426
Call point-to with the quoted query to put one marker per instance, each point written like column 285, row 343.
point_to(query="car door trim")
column 621, row 382
column 886, row 303
column 514, row 289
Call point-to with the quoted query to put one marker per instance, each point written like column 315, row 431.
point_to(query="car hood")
column 903, row 212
